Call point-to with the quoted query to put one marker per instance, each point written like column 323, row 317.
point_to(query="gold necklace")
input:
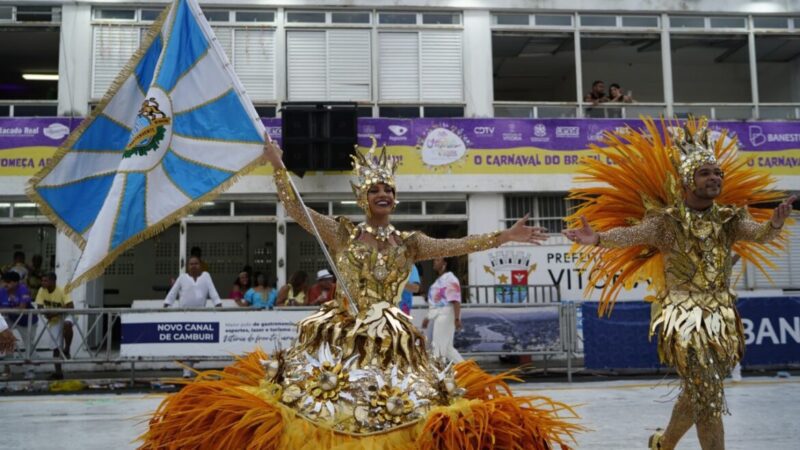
column 381, row 234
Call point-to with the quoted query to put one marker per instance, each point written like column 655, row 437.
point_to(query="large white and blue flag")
column 174, row 129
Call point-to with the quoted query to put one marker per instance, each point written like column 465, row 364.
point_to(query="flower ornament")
column 393, row 402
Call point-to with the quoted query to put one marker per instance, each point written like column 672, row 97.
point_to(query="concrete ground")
column 620, row 414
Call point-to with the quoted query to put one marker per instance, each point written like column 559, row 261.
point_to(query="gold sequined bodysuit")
column 699, row 329
column 380, row 343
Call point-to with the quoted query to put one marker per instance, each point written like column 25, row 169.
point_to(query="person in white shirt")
column 193, row 288
column 7, row 339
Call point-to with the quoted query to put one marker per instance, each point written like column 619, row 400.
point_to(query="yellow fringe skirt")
column 235, row 409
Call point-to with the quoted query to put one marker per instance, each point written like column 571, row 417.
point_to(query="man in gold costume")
column 694, row 314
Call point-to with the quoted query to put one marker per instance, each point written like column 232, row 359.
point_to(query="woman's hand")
column 272, row 153
column 458, row 323
column 782, row 212
column 520, row 232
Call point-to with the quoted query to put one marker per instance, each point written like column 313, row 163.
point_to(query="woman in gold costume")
column 664, row 216
column 359, row 376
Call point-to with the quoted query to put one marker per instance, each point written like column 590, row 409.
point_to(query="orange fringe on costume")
column 644, row 177
column 224, row 410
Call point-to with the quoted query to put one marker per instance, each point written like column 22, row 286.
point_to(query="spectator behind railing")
column 14, row 294
column 59, row 326
column 294, row 293
column 261, row 295
column 322, row 290
column 240, row 285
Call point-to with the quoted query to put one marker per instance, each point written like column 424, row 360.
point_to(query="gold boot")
column 654, row 442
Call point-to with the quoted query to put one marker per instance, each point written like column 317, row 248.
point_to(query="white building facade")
column 527, row 60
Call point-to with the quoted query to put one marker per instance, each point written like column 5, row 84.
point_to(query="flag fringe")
column 66, row 146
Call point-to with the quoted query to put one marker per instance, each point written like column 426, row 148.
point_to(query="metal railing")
column 501, row 294
column 95, row 345
column 714, row 111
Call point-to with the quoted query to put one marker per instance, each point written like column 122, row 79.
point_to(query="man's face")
column 614, row 91
column 194, row 266
column 326, row 283
column 599, row 88
column 11, row 285
column 708, row 181
column 48, row 283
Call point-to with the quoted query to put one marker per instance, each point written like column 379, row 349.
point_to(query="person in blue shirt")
column 260, row 295
column 14, row 294
column 411, row 288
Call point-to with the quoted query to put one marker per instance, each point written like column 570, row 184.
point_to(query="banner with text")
column 771, row 331
column 453, row 146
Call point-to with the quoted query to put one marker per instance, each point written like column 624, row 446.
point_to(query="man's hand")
column 783, row 211
column 7, row 341
column 425, row 322
column 458, row 323
column 584, row 235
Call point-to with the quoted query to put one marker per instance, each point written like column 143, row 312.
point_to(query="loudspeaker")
column 319, row 136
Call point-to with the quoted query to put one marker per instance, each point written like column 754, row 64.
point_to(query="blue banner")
column 170, row 332
column 771, row 324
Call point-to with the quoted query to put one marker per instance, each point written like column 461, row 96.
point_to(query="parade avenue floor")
column 621, row 415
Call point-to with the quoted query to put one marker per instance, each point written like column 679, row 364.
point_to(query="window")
column 37, row 14
column 255, row 16
column 534, row 66
column 454, row 207
column 441, row 19
column 553, row 20
column 253, row 208
column 266, row 111
column 421, row 65
column 686, row 22
column 149, row 15
column 546, row 211
column 35, row 111
column 405, row 112
column 350, row 17
column 771, row 22
column 777, row 57
column 217, row 15
column 113, row 47
column 640, row 21
column 254, row 61
column 444, row 111
column 511, row 19
column 115, row 14
column 6, row 13
column 710, row 68
column 598, row 21
column 5, row 110
column 305, row 17
column 329, row 65
column 727, row 22
column 218, row 208
column 397, row 18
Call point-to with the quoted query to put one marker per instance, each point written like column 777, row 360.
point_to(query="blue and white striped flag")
column 173, row 131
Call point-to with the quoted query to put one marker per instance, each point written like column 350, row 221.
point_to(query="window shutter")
column 113, row 47
column 398, row 66
column 442, row 77
column 307, row 62
column 254, row 62
column 787, row 265
column 225, row 38
column 349, row 67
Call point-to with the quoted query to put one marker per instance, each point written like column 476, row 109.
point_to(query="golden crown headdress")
column 695, row 149
column 371, row 169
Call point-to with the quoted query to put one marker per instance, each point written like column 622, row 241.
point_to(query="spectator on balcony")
column 18, row 266
column 322, row 291
column 444, row 311
column 294, row 293
column 14, row 294
column 261, row 295
column 59, row 325
column 198, row 253
column 193, row 288
column 240, row 285
column 598, row 93
column 616, row 95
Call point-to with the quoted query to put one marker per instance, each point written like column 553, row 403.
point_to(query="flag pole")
column 340, row 282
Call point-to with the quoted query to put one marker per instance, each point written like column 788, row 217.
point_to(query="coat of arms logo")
column 149, row 130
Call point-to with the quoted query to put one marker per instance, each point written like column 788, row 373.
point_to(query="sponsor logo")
column 19, row 131
column 512, row 134
column 398, row 130
column 758, row 137
column 443, row 145
column 483, row 131
column 568, row 132
column 274, row 132
column 56, row 131
column 539, row 130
